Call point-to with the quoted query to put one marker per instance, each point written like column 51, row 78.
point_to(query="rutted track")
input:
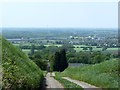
column 50, row 82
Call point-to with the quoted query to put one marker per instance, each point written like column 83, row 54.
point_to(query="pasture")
column 77, row 48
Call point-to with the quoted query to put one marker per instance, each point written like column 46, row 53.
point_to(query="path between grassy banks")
column 50, row 82
column 75, row 84
column 84, row 85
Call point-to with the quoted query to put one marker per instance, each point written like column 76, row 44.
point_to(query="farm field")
column 100, row 75
column 109, row 50
column 77, row 48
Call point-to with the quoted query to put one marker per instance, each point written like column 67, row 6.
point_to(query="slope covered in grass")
column 0, row 62
column 19, row 71
column 105, row 74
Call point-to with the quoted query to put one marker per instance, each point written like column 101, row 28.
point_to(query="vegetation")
column 19, row 71
column 104, row 75
column 37, row 58
column 1, row 71
column 67, row 84
column 87, row 57
column 59, row 63
column 45, row 46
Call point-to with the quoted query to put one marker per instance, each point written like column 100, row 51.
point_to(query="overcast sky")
column 60, row 14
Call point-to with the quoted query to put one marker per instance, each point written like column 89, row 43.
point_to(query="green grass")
column 58, row 45
column 1, row 72
column 27, row 51
column 104, row 75
column 109, row 50
column 112, row 49
column 67, row 84
column 19, row 70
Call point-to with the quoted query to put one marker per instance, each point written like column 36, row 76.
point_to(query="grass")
column 104, row 75
column 19, row 71
column 109, row 50
column 0, row 76
column 1, row 71
column 67, row 84
column 58, row 45
column 27, row 51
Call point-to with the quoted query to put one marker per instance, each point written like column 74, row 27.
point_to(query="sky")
column 34, row 14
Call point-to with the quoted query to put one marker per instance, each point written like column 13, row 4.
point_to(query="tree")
column 104, row 48
column 63, row 60
column 32, row 49
column 56, row 62
column 38, row 59
column 41, row 47
column 98, row 59
column 91, row 48
column 85, row 48
column 59, row 62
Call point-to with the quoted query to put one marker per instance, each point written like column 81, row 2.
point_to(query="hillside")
column 19, row 71
column 105, row 74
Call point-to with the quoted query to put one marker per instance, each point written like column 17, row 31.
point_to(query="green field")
column 77, row 48
column 104, row 75
column 27, row 51
column 29, row 44
column 58, row 45
column 95, row 49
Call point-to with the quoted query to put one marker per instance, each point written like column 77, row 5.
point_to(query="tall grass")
column 105, row 74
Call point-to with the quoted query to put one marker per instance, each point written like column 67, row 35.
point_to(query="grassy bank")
column 103, row 75
column 19, row 71
column 67, row 84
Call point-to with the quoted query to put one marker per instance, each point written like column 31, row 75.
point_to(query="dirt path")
column 84, row 85
column 51, row 82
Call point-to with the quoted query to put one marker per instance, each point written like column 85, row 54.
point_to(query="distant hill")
column 19, row 71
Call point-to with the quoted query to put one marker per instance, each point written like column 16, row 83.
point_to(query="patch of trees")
column 42, row 56
column 59, row 62
column 87, row 48
column 35, row 47
column 39, row 60
column 87, row 57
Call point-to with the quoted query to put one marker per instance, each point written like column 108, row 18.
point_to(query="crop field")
column 100, row 75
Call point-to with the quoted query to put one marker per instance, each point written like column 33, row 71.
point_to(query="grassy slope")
column 67, row 84
column 0, row 62
column 19, row 71
column 103, row 75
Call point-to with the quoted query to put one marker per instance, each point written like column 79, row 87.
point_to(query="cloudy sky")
column 59, row 14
